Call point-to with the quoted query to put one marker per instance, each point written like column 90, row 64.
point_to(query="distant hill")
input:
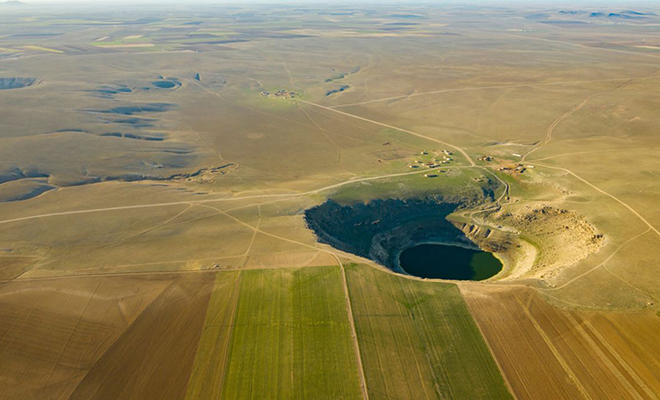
column 12, row 3
column 626, row 14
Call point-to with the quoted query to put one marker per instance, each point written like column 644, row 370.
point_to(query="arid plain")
column 157, row 168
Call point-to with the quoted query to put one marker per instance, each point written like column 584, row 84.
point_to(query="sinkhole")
column 411, row 236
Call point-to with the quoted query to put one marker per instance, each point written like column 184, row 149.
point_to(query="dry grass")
column 11, row 267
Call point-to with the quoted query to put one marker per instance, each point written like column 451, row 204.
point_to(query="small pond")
column 165, row 84
column 442, row 261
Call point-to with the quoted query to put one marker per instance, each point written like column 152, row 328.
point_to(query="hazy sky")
column 570, row 4
column 539, row 3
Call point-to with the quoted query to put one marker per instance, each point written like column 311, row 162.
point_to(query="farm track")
column 551, row 128
column 351, row 320
column 601, row 191
column 284, row 196
column 470, row 89
column 459, row 149
column 600, row 264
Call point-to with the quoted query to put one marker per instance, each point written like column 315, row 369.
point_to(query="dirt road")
column 284, row 196
column 460, row 150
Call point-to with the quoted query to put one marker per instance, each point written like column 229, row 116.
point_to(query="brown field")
column 101, row 338
column 550, row 353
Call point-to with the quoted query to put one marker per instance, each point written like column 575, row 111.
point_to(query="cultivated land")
column 156, row 165
column 418, row 340
column 291, row 337
column 573, row 354
column 104, row 337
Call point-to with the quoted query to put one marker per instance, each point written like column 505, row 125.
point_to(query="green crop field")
column 418, row 340
column 291, row 337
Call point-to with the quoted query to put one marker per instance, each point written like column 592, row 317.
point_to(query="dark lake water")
column 449, row 262
column 164, row 84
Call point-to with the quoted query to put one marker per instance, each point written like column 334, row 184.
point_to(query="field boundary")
column 351, row 320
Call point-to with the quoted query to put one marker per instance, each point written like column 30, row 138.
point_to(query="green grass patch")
column 214, row 33
column 453, row 182
column 421, row 143
column 250, row 98
column 418, row 340
column 122, row 41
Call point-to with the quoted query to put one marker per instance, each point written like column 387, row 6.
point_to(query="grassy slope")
column 418, row 340
column 291, row 337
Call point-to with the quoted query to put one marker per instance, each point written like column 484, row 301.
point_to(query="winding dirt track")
column 463, row 152
column 551, row 128
column 223, row 199
column 599, row 190
column 469, row 89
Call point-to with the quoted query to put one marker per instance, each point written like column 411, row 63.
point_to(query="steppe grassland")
column 612, row 120
column 121, row 241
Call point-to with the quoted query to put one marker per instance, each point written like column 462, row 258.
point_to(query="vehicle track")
column 460, row 150
column 284, row 196
column 551, row 128
column 596, row 188
column 474, row 88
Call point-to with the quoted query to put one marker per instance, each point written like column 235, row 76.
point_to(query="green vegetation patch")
column 418, row 340
column 467, row 183
column 291, row 337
